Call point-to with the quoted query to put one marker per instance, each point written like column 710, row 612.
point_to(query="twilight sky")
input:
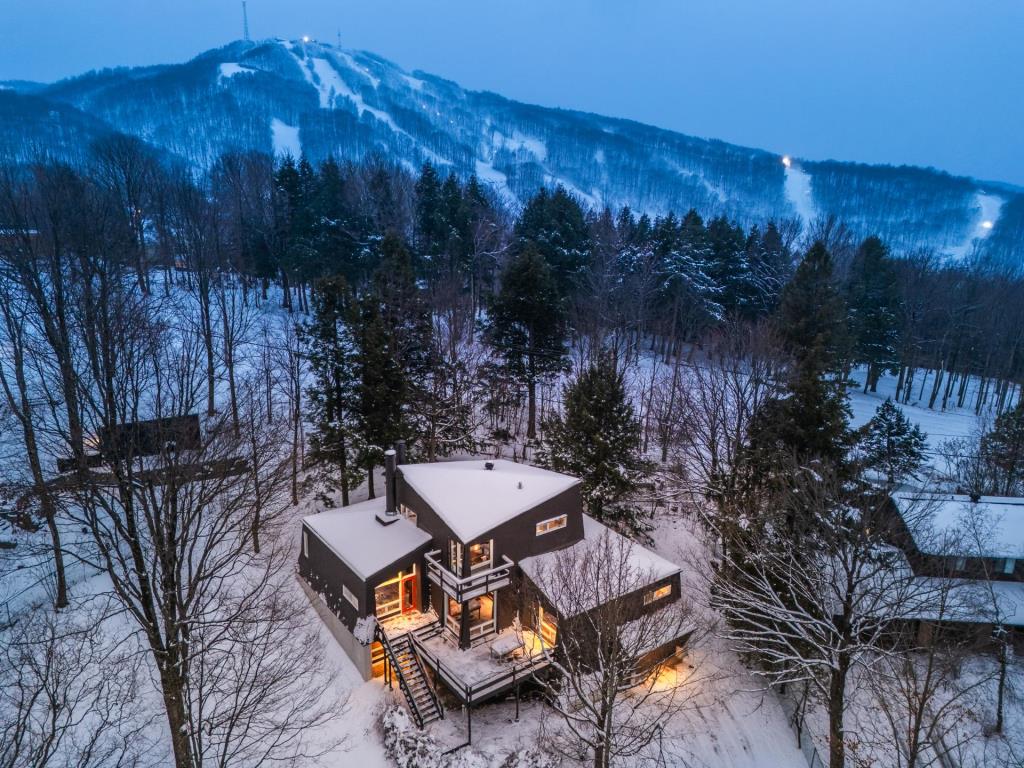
column 926, row 82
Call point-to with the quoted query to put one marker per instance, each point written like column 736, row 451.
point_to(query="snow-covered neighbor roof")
column 362, row 543
column 472, row 499
column 642, row 565
column 970, row 601
column 991, row 527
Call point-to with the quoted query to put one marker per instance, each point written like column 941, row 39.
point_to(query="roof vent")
column 519, row 485
column 488, row 465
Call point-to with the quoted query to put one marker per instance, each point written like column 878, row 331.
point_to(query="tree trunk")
column 531, row 422
column 836, row 709
column 1001, row 688
column 173, row 689
column 369, row 482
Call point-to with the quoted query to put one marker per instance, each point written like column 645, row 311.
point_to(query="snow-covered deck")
column 490, row 667
column 396, row 626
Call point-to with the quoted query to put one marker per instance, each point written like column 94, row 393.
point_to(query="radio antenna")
column 245, row 22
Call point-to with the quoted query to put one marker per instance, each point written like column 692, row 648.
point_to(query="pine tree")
column 728, row 266
column 598, row 438
column 526, row 325
column 553, row 224
column 891, row 444
column 331, row 352
column 874, row 311
column 1002, row 451
column 808, row 423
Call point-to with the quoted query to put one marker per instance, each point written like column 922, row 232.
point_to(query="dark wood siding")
column 327, row 573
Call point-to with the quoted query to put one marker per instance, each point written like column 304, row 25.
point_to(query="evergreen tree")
column 331, row 352
column 728, row 266
column 598, row 438
column 553, row 224
column 808, row 424
column 526, row 325
column 891, row 444
column 1002, row 452
column 874, row 308
column 393, row 332
column 382, row 387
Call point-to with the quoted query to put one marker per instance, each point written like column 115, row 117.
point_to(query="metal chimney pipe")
column 390, row 464
column 400, row 451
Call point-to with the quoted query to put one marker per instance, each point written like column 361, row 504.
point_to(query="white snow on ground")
column 939, row 425
column 491, row 176
column 285, row 139
column 347, row 58
column 414, row 82
column 990, row 208
column 229, row 69
column 798, row 192
column 330, row 86
column 518, row 141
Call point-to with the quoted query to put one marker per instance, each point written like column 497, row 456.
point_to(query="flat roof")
column 472, row 499
column 363, row 544
column 951, row 518
column 641, row 566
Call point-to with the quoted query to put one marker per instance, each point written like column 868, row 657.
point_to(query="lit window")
column 305, row 544
column 349, row 595
column 547, row 624
column 407, row 512
column 657, row 594
column 552, row 524
column 960, row 564
column 480, row 555
column 1008, row 565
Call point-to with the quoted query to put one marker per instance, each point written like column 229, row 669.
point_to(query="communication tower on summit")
column 245, row 22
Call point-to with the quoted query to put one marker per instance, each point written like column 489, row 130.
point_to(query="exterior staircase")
column 407, row 669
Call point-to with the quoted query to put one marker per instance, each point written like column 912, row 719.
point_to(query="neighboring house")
column 972, row 546
column 432, row 584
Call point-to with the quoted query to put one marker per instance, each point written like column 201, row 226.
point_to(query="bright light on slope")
column 305, row 38
column 987, row 225
column 786, row 161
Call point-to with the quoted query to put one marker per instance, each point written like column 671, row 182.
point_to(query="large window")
column 452, row 616
column 657, row 594
column 481, row 612
column 455, row 557
column 397, row 595
column 480, row 555
column 552, row 524
column 547, row 627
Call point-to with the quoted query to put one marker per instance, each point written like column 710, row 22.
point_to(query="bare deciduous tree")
column 613, row 702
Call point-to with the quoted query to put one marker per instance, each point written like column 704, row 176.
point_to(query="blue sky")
column 901, row 81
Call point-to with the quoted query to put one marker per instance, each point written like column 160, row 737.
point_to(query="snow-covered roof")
column 472, row 499
column 969, row 601
column 936, row 518
column 362, row 543
column 642, row 566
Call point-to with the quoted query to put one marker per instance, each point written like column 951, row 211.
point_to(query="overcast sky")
column 926, row 82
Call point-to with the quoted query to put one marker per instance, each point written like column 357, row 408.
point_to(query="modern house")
column 434, row 586
column 974, row 546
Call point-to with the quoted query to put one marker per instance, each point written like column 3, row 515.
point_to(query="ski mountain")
column 310, row 98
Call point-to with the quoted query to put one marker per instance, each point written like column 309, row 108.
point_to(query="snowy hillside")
column 317, row 99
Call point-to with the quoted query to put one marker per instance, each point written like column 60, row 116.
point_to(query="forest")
column 312, row 315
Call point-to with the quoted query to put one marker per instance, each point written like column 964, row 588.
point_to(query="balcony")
column 463, row 588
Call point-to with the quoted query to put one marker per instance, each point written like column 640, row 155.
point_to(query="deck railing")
column 463, row 588
column 484, row 689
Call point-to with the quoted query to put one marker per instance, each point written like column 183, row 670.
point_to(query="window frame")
column 305, row 543
column 652, row 596
column 551, row 524
column 485, row 564
column 350, row 597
